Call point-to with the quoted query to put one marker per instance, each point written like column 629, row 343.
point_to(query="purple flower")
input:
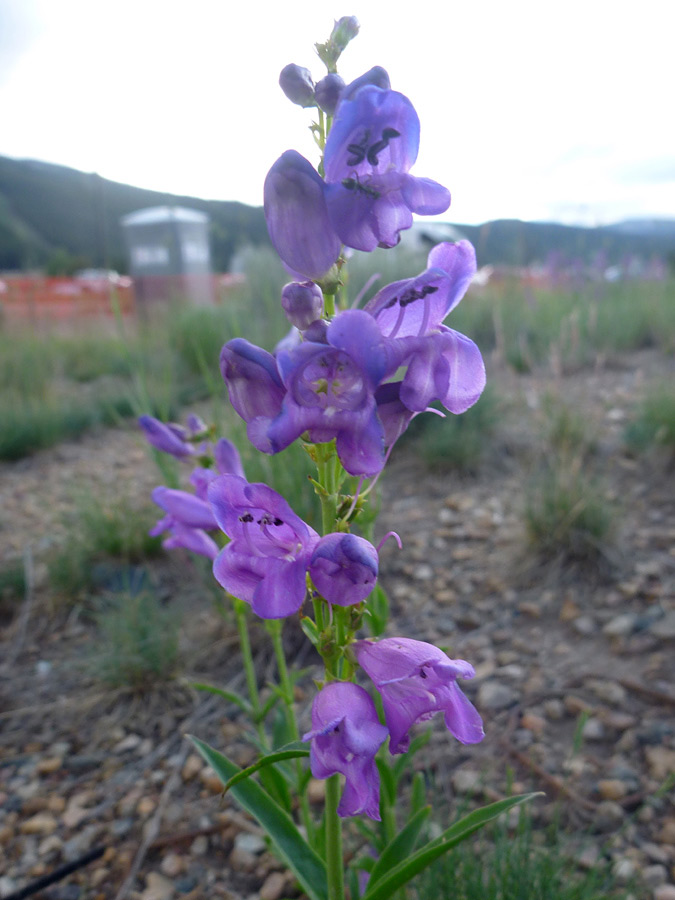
column 188, row 518
column 297, row 217
column 327, row 92
column 302, row 302
column 370, row 149
column 346, row 734
column 343, row 568
column 296, row 82
column 443, row 364
column 416, row 680
column 254, row 386
column 270, row 548
column 330, row 391
column 172, row 438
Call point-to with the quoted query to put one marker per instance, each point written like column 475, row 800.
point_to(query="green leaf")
column 378, row 610
column 290, row 751
column 388, row 782
column 294, row 850
column 399, row 875
column 400, row 847
column 226, row 695
column 311, row 631
column 418, row 793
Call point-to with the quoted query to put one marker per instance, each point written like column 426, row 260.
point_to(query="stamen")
column 397, row 324
column 373, row 278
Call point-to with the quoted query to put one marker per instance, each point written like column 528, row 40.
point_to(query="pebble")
column 467, row 781
column 664, row 628
column 192, row 767
column 607, row 691
column 593, row 730
column 661, row 761
column 608, row 816
column 623, row 870
column 49, row 766
column 42, row 823
column 494, row 695
column 157, row 887
column 612, row 788
column 199, row 846
column 251, row 843
column 172, row 865
column 621, row 625
column 585, row 625
column 210, row 780
column 273, row 886
column 664, row 892
column 655, row 875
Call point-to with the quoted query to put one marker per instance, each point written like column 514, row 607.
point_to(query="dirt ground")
column 575, row 666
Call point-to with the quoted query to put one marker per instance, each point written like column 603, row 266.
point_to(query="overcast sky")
column 529, row 110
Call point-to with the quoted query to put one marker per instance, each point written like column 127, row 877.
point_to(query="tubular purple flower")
column 185, row 508
column 344, row 31
column 302, row 302
column 346, row 734
column 297, row 217
column 330, row 391
column 415, row 680
column 344, row 568
column 370, row 149
column 169, row 438
column 296, row 82
column 270, row 547
column 254, row 386
column 180, row 536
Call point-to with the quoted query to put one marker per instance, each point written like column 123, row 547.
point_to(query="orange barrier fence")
column 36, row 297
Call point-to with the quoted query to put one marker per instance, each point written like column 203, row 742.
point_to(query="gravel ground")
column 574, row 670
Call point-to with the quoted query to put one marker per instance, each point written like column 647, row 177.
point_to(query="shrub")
column 655, row 423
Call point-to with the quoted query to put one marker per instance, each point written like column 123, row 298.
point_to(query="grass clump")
column 520, row 864
column 455, row 443
column 138, row 641
column 99, row 532
column 567, row 517
column 654, row 426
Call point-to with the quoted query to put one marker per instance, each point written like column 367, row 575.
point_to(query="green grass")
column 138, row 642
column 455, row 443
column 521, row 863
column 654, row 424
column 567, row 516
column 102, row 530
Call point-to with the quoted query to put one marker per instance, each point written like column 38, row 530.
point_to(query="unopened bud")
column 297, row 84
column 302, row 303
column 328, row 91
column 344, row 31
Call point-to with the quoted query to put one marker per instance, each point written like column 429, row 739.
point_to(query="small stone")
column 661, row 761
column 664, row 892
column 569, row 611
column 467, row 782
column 575, row 705
column 620, row 626
column 192, row 767
column 49, row 766
column 612, row 788
column 593, row 730
column 130, row 742
column 42, row 823
column 623, row 870
column 494, row 695
column 423, row 572
column 50, row 845
column 157, row 887
column 608, row 816
column 199, row 846
column 533, row 723
column 588, row 858
column 585, row 625
column 251, row 843
column 210, row 780
column 655, row 875
column 242, row 861
column 146, row 806
column 554, row 709
column 316, row 791
column 607, row 691
column 273, row 886
column 667, row 833
column 56, row 803
column 654, row 853
column 664, row 628
column 99, row 876
column 172, row 865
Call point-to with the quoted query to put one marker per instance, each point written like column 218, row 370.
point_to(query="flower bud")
column 344, row 31
column 344, row 568
column 328, row 92
column 296, row 82
column 302, row 303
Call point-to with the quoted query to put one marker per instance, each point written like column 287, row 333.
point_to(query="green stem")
column 334, row 861
column 275, row 627
column 240, row 609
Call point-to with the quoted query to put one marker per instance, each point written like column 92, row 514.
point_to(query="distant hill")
column 57, row 218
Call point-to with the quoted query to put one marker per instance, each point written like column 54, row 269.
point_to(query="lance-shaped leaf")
column 396, row 877
column 290, row 751
column 400, row 847
column 308, row 868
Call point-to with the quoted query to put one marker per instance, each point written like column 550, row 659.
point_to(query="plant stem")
column 274, row 627
column 334, row 862
column 240, row 609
